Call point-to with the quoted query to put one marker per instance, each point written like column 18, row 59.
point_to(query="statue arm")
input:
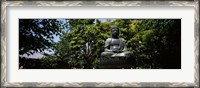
column 125, row 48
column 107, row 45
column 124, row 44
column 108, row 50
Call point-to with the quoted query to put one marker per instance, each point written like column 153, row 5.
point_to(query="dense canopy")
column 155, row 43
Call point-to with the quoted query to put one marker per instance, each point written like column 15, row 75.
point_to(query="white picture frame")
column 5, row 14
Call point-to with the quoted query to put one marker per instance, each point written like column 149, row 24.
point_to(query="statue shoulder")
column 107, row 43
column 108, row 39
column 122, row 39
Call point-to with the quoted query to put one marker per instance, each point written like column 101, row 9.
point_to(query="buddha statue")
column 115, row 46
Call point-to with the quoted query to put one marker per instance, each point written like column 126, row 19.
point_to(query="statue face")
column 115, row 32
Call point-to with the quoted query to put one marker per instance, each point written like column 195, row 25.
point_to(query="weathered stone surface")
column 116, row 54
column 116, row 62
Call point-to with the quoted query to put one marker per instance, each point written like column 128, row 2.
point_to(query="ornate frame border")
column 4, row 4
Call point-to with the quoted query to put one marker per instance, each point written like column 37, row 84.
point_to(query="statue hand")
column 117, row 51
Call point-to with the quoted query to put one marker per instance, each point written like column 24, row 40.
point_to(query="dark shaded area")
column 161, row 49
column 32, row 63
column 155, row 43
column 36, row 35
column 29, row 63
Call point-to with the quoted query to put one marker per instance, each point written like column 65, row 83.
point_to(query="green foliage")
column 156, row 43
column 36, row 35
column 84, row 43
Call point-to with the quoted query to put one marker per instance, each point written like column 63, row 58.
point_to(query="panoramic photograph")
column 99, row 43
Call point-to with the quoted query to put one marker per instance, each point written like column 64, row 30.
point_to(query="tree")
column 82, row 46
column 36, row 35
column 156, row 43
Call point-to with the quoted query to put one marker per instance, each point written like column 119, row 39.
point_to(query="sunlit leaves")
column 155, row 43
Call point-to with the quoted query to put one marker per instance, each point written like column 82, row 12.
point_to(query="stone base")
column 116, row 62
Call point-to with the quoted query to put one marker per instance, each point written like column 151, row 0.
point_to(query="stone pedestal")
column 116, row 61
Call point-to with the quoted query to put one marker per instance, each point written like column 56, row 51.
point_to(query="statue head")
column 115, row 32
